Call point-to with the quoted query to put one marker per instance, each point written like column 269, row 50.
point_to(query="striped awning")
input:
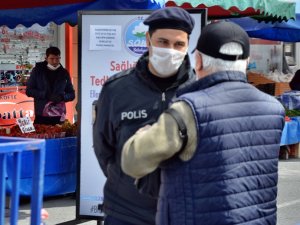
column 29, row 12
column 276, row 9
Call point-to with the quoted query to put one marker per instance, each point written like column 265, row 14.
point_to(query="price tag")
column 25, row 124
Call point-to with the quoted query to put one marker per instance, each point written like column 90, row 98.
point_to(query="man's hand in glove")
column 56, row 98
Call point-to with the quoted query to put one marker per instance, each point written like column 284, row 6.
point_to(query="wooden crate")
column 258, row 79
column 294, row 151
column 289, row 151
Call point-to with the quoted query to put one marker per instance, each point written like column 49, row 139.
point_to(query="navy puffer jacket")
column 232, row 178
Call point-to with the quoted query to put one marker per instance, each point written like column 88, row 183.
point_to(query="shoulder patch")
column 118, row 76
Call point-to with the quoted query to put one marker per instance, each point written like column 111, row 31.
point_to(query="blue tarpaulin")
column 279, row 31
column 60, row 168
column 291, row 99
column 285, row 31
column 68, row 12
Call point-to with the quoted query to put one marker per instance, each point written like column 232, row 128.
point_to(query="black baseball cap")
column 215, row 35
column 170, row 18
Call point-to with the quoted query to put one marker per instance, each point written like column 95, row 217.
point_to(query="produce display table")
column 290, row 138
column 60, row 168
column 291, row 132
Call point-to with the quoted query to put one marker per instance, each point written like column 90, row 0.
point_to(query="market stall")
column 60, row 162
column 61, row 144
column 290, row 139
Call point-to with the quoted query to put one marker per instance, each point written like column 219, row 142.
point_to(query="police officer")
column 136, row 97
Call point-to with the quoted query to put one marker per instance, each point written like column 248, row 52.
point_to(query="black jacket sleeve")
column 103, row 135
column 32, row 87
column 69, row 94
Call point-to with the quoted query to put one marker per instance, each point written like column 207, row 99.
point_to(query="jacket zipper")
column 164, row 101
column 163, row 97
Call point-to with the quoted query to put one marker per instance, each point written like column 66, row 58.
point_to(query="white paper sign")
column 104, row 37
column 25, row 124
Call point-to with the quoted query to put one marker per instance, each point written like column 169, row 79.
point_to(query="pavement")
column 62, row 209
column 288, row 201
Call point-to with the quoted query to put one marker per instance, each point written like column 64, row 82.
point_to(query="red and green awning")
column 28, row 12
column 277, row 9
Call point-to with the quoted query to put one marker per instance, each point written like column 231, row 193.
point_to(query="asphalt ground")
column 62, row 209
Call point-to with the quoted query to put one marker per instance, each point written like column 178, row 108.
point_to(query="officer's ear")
column 200, row 72
column 148, row 39
column 198, row 59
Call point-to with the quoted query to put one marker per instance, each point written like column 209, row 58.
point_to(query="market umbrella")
column 276, row 10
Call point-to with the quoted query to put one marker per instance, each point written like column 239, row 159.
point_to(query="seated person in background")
column 295, row 82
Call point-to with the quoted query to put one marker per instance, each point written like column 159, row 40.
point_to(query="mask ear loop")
column 149, row 38
column 150, row 43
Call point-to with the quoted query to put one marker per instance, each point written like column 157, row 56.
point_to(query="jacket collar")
column 213, row 79
column 43, row 65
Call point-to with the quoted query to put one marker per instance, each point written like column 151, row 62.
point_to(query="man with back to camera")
column 49, row 81
column 227, row 172
column 136, row 97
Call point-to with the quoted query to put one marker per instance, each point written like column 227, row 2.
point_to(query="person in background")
column 227, row 172
column 50, row 85
column 295, row 82
column 136, row 97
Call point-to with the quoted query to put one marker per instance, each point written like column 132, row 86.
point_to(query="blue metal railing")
column 14, row 147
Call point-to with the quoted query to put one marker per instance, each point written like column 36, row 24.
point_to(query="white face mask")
column 53, row 67
column 166, row 61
